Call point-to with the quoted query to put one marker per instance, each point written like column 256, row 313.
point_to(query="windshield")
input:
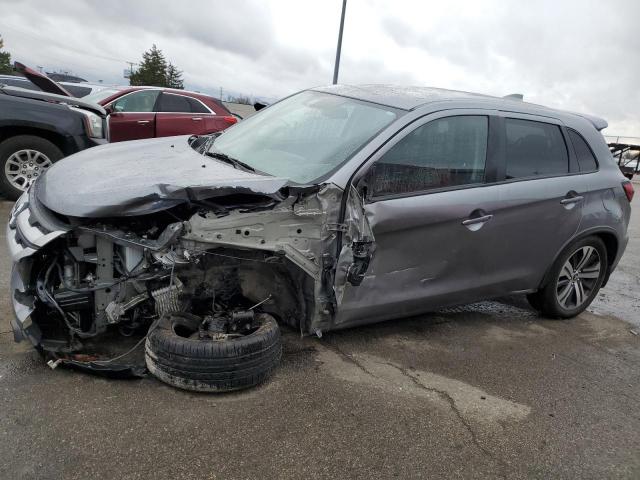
column 304, row 137
column 97, row 97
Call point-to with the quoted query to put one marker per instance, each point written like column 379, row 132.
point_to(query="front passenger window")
column 138, row 102
column 443, row 153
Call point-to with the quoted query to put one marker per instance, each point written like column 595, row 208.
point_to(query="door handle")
column 477, row 220
column 143, row 122
column 570, row 200
column 196, row 119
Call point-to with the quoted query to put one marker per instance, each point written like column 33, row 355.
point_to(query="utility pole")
column 131, row 64
column 339, row 48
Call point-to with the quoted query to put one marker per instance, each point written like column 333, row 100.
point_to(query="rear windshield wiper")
column 230, row 160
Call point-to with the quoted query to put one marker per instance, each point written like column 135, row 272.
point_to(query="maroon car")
column 147, row 112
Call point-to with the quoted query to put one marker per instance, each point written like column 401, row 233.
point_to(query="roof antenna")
column 514, row 96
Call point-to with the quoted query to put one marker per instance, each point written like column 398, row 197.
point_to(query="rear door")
column 430, row 206
column 541, row 197
column 132, row 116
column 182, row 115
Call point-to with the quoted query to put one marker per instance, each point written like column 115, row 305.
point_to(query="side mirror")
column 366, row 185
column 114, row 108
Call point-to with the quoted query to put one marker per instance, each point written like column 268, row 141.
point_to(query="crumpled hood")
column 141, row 177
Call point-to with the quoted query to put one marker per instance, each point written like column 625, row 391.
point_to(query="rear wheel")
column 23, row 159
column 574, row 280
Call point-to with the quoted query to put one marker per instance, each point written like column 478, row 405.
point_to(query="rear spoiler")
column 52, row 97
column 597, row 122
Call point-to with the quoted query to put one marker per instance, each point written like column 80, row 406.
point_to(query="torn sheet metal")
column 142, row 177
column 303, row 232
column 358, row 246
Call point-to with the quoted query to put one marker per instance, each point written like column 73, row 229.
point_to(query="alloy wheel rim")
column 23, row 167
column 578, row 277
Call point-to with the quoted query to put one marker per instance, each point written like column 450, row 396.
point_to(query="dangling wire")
column 260, row 303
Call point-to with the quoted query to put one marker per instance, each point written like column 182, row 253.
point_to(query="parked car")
column 65, row 77
column 147, row 112
column 37, row 129
column 335, row 207
column 78, row 90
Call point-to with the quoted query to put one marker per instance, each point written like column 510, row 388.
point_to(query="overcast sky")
column 578, row 55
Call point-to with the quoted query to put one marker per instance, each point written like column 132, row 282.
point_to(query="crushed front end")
column 75, row 280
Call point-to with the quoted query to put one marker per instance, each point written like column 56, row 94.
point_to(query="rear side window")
column 586, row 159
column 534, row 149
column 443, row 153
column 174, row 103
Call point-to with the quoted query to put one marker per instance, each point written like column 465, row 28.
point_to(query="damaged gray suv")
column 335, row 207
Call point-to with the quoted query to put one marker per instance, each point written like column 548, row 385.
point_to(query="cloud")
column 578, row 55
column 573, row 55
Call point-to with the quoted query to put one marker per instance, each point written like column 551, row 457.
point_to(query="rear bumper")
column 621, row 249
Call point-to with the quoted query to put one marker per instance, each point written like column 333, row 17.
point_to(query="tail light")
column 230, row 119
column 628, row 190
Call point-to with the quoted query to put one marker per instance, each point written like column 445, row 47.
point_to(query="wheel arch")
column 57, row 139
column 608, row 236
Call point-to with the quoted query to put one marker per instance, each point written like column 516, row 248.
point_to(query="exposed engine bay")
column 94, row 279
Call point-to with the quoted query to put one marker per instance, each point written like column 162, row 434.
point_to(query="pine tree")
column 174, row 77
column 152, row 70
column 5, row 61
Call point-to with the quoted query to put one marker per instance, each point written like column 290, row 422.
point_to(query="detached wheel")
column 177, row 353
column 575, row 278
column 23, row 159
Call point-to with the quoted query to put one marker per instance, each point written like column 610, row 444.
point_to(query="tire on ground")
column 22, row 142
column 546, row 301
column 212, row 365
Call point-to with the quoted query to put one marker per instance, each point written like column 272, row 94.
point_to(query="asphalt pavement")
column 488, row 390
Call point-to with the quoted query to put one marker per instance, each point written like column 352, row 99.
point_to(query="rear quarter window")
column 586, row 158
column 534, row 149
column 197, row 106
